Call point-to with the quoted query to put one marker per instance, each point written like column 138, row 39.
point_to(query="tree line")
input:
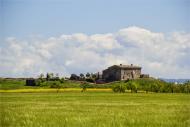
column 151, row 85
column 136, row 85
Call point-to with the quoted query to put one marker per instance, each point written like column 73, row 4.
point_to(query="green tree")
column 154, row 87
column 62, row 80
column 133, row 86
column 187, row 87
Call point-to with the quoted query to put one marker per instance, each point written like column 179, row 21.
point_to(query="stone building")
column 121, row 72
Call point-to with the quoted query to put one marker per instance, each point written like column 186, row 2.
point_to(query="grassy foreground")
column 94, row 109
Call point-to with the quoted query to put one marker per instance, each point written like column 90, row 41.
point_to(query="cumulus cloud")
column 160, row 55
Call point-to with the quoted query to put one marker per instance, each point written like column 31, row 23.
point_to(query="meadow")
column 94, row 109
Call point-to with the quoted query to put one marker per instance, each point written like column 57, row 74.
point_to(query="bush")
column 85, row 85
column 39, row 82
column 119, row 88
column 133, row 86
column 55, row 85
column 90, row 80
column 62, row 80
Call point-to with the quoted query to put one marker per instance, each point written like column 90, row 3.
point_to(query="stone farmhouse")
column 122, row 72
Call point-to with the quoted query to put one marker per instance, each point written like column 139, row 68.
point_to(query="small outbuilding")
column 30, row 82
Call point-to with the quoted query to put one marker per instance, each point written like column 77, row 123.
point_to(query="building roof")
column 126, row 66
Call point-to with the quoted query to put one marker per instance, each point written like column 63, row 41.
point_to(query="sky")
column 79, row 36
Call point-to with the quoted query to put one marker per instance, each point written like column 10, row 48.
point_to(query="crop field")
column 94, row 109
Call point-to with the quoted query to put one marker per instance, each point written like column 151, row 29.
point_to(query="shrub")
column 90, row 80
column 62, row 80
column 85, row 85
column 55, row 85
column 133, row 86
column 119, row 88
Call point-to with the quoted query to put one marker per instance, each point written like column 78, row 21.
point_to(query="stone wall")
column 112, row 74
column 130, row 74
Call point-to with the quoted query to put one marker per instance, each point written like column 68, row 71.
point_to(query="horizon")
column 67, row 36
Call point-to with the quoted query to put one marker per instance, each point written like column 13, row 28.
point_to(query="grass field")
column 94, row 109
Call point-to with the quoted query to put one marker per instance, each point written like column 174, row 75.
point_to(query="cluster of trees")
column 89, row 77
column 50, row 79
column 151, row 85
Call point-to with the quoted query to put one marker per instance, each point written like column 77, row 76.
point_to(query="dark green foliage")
column 74, row 77
column 82, row 77
column 87, row 74
column 90, row 80
column 48, row 76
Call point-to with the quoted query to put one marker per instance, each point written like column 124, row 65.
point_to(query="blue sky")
column 74, row 36
column 22, row 18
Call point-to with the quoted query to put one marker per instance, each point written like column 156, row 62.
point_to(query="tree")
column 88, row 75
column 93, row 76
column 55, row 84
column 74, row 77
column 187, row 87
column 51, row 75
column 145, row 86
column 129, row 86
column 171, row 87
column 62, row 80
column 40, row 79
column 84, row 86
column 133, row 86
column 48, row 76
column 154, row 87
column 82, row 76
column 41, row 76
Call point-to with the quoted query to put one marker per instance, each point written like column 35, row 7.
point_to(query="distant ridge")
column 175, row 80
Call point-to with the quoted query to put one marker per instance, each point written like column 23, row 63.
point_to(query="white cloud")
column 161, row 55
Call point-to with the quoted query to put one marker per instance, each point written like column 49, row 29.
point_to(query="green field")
column 94, row 109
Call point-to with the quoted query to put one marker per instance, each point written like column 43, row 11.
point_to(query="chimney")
column 131, row 64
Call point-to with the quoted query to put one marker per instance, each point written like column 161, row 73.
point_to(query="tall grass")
column 94, row 109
